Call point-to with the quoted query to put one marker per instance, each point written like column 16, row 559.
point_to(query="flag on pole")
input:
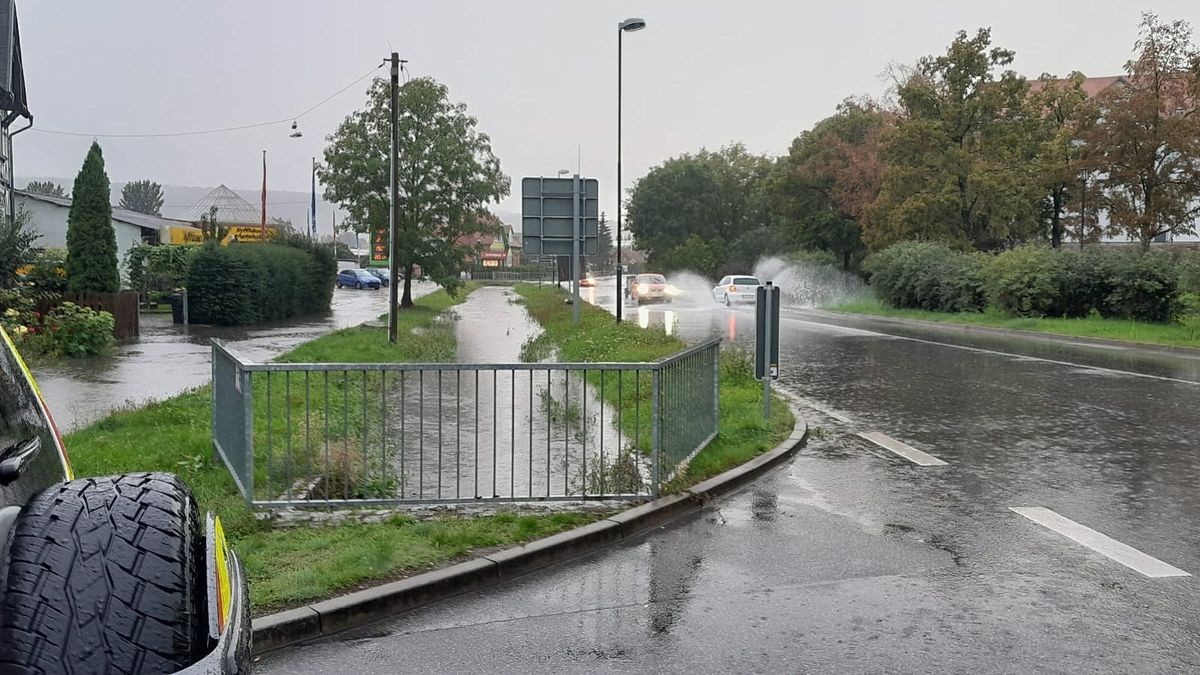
column 264, row 197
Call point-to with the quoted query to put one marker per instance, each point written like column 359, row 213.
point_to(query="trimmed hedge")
column 252, row 283
column 1033, row 281
column 929, row 276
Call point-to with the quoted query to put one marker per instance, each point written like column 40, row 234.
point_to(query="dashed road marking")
column 1100, row 543
column 906, row 451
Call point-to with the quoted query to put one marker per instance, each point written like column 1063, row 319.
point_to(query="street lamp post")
column 628, row 25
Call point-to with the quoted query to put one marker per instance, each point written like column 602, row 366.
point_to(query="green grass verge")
column 743, row 432
column 288, row 566
column 1113, row 329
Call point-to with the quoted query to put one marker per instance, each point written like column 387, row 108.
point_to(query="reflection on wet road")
column 167, row 359
column 856, row 559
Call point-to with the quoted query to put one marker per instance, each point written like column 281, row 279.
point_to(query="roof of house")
column 1092, row 86
column 122, row 215
column 231, row 208
column 12, row 71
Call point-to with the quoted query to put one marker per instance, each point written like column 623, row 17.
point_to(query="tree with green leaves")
column 819, row 191
column 16, row 245
column 716, row 196
column 446, row 173
column 211, row 229
column 604, row 244
column 143, row 196
column 91, row 239
column 45, row 187
column 1144, row 139
column 1058, row 110
column 958, row 157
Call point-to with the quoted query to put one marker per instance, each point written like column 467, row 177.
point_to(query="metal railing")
column 318, row 434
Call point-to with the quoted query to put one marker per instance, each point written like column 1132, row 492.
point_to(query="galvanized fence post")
column 248, row 402
column 714, row 353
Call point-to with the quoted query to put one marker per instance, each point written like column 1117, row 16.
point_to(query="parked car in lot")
column 736, row 288
column 380, row 273
column 649, row 288
column 358, row 278
column 116, row 574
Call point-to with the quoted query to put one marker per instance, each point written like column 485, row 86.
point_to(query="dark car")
column 380, row 273
column 358, row 278
column 116, row 574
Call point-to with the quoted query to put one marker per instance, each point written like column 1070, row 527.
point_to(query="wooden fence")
column 123, row 306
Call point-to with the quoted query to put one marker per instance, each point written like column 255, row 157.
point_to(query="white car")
column 735, row 288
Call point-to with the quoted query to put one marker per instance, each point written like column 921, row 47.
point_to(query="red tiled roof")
column 1092, row 86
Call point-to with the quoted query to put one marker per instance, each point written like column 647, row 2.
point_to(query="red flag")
column 264, row 197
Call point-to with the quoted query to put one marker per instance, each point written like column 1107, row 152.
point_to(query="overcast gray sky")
column 539, row 75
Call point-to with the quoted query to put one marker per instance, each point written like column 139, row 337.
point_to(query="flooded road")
column 854, row 558
column 167, row 359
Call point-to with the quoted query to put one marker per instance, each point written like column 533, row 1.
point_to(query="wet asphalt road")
column 167, row 359
column 852, row 559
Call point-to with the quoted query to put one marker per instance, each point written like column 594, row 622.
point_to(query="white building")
column 48, row 217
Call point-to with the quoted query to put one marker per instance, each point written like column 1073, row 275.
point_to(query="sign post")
column 575, row 267
column 766, row 340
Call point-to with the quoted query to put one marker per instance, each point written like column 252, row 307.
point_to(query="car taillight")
column 733, row 289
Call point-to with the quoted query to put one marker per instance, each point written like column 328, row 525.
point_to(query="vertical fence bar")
column 583, row 438
column 654, row 429
column 345, row 440
column 270, row 425
column 308, row 459
column 439, row 455
column 385, row 465
column 603, row 404
column 714, row 355
column 458, row 434
column 512, row 433
column 566, row 431
column 531, row 434
column 287, row 399
column 248, row 429
column 403, row 436
column 476, row 469
column 366, row 452
column 325, row 473
column 421, row 435
column 549, row 424
column 495, row 424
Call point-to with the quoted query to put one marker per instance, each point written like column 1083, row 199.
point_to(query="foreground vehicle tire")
column 106, row 575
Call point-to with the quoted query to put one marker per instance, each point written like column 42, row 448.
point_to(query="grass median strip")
column 289, row 566
column 1126, row 330
column 743, row 432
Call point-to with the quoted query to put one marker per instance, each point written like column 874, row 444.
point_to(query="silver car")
column 735, row 288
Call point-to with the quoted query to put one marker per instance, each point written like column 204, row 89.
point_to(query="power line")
column 212, row 131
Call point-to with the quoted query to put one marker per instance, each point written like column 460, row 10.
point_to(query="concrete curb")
column 1148, row 348
column 356, row 609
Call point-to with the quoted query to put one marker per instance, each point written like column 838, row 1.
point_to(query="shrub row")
column 922, row 275
column 1034, row 281
column 250, row 283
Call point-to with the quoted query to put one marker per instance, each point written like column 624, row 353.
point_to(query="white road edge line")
column 1100, row 543
column 906, row 451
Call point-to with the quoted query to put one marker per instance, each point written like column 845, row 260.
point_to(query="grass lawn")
column 743, row 433
column 1112, row 329
column 291, row 566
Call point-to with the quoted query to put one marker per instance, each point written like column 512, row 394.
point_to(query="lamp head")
column 631, row 25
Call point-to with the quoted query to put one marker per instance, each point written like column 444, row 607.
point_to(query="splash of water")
column 692, row 287
column 806, row 285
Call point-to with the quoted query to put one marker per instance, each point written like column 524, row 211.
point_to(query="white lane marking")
column 906, row 451
column 999, row 353
column 1100, row 543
